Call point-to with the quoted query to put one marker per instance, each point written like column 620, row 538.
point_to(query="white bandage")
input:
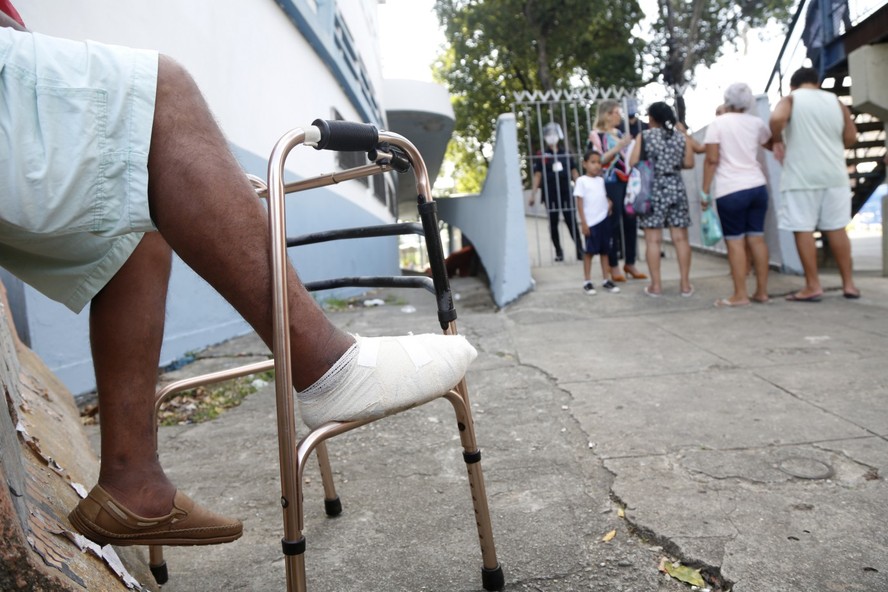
column 379, row 376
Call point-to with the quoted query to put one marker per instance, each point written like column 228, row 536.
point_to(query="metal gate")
column 553, row 221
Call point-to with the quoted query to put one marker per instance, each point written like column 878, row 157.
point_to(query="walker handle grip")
column 346, row 136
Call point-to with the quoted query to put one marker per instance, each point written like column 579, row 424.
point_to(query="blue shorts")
column 742, row 213
column 599, row 239
column 76, row 125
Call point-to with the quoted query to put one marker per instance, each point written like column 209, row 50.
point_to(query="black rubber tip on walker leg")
column 160, row 573
column 493, row 579
column 333, row 507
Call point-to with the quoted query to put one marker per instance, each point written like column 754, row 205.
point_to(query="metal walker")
column 388, row 152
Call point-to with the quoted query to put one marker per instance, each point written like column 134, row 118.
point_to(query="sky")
column 410, row 38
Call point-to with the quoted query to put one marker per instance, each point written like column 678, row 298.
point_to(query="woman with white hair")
column 732, row 144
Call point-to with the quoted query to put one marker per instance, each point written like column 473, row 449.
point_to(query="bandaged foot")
column 379, row 376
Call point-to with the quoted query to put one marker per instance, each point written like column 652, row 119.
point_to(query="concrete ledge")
column 494, row 220
column 45, row 459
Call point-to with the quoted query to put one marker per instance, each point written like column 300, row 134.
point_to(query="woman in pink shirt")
column 732, row 143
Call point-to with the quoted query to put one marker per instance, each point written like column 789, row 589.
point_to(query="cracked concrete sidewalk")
column 752, row 441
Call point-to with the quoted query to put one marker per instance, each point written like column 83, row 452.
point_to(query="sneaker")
column 610, row 287
column 589, row 289
column 559, row 258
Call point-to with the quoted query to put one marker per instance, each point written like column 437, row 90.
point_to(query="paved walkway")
column 752, row 442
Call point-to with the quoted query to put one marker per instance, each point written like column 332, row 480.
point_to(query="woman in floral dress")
column 669, row 152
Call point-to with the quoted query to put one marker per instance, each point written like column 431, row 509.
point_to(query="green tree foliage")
column 466, row 155
column 690, row 33
column 498, row 47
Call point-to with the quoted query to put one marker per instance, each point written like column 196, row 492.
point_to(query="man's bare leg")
column 807, row 249
column 126, row 332
column 840, row 245
column 208, row 212
column 134, row 502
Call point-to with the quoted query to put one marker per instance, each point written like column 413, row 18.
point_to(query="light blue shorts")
column 75, row 123
column 807, row 210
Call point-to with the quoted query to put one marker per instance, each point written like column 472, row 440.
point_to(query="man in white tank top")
column 811, row 130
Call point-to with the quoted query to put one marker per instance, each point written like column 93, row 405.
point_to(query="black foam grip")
column 346, row 136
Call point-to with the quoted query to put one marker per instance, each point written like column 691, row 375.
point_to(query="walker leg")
column 492, row 577
column 157, row 564
column 332, row 504
column 294, row 561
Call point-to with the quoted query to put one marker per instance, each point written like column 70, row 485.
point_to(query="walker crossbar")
column 396, row 281
column 359, row 232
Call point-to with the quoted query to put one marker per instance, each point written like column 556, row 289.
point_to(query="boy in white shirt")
column 594, row 208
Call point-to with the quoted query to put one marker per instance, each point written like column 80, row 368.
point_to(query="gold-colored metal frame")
column 293, row 455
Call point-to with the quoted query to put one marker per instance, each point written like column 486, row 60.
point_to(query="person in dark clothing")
column 636, row 125
column 560, row 170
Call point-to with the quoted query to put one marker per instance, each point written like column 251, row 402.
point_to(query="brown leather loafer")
column 103, row 520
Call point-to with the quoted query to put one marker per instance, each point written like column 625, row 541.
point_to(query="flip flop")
column 725, row 303
column 651, row 294
column 794, row 297
column 689, row 293
column 760, row 300
column 851, row 295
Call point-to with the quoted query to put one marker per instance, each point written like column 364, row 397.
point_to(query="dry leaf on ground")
column 682, row 573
